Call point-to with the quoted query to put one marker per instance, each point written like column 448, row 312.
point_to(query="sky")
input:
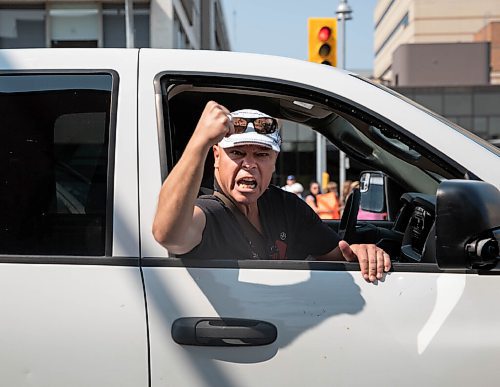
column 279, row 27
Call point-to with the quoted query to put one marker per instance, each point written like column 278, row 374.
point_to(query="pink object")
column 366, row 215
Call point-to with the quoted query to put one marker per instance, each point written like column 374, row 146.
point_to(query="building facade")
column 445, row 55
column 491, row 33
column 441, row 64
column 399, row 22
column 196, row 24
column 476, row 108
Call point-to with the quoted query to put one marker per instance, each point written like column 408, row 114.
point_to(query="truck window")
column 54, row 150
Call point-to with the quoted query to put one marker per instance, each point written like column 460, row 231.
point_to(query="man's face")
column 244, row 172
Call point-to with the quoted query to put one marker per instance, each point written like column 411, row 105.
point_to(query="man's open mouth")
column 247, row 182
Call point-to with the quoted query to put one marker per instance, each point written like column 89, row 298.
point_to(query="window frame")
column 280, row 87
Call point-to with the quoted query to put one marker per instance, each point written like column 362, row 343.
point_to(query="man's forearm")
column 178, row 194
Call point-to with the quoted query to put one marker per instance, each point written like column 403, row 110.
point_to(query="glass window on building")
column 188, row 6
column 289, row 131
column 433, row 102
column 74, row 25
column 457, row 103
column 479, row 126
column 487, row 103
column 113, row 20
column 22, row 27
column 466, row 123
column 181, row 39
column 494, row 127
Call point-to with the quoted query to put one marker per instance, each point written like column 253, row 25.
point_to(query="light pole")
column 320, row 159
column 343, row 13
column 129, row 23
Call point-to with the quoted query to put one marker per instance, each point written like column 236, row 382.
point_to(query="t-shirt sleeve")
column 221, row 238
column 209, row 243
column 313, row 236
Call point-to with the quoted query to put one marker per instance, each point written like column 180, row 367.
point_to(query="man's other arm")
column 373, row 261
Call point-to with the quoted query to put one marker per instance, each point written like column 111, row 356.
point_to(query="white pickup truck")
column 88, row 298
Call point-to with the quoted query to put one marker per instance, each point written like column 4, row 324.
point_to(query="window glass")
column 486, row 103
column 433, row 102
column 449, row 120
column 466, row 122
column 53, row 163
column 403, row 23
column 180, row 37
column 480, row 125
column 113, row 16
column 74, row 25
column 457, row 104
column 494, row 127
column 22, row 28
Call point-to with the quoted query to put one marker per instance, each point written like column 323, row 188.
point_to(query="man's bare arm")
column 178, row 223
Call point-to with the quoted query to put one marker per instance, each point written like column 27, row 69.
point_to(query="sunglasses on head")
column 262, row 125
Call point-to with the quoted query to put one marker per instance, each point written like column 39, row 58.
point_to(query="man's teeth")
column 247, row 184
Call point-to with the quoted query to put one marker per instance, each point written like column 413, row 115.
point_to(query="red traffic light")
column 322, row 36
column 324, row 33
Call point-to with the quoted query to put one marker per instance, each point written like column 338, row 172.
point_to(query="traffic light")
column 323, row 40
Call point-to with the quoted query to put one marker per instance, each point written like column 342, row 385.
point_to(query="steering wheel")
column 347, row 227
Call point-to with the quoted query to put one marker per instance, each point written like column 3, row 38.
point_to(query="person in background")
column 346, row 190
column 314, row 190
column 329, row 203
column 292, row 185
column 348, row 187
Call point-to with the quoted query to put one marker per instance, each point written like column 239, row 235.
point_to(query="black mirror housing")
column 467, row 224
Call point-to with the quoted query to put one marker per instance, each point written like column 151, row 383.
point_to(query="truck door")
column 321, row 323
column 72, row 304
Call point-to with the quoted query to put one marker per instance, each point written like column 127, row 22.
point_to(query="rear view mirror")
column 373, row 203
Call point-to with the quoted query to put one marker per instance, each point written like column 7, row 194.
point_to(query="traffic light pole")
column 342, row 66
column 343, row 13
column 320, row 158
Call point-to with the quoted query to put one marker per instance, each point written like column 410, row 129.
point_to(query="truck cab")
column 90, row 298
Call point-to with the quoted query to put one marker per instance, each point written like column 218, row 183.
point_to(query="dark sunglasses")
column 262, row 125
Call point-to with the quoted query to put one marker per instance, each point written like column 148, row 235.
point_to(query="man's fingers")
column 221, row 117
column 373, row 261
column 387, row 262
column 229, row 124
column 380, row 263
column 364, row 263
column 346, row 251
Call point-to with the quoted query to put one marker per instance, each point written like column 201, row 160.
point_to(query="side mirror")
column 373, row 203
column 467, row 225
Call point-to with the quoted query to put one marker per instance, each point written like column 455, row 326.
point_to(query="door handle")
column 223, row 331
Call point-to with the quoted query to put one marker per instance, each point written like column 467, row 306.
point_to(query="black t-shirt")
column 292, row 230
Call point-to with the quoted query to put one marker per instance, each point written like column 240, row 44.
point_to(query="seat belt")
column 254, row 237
